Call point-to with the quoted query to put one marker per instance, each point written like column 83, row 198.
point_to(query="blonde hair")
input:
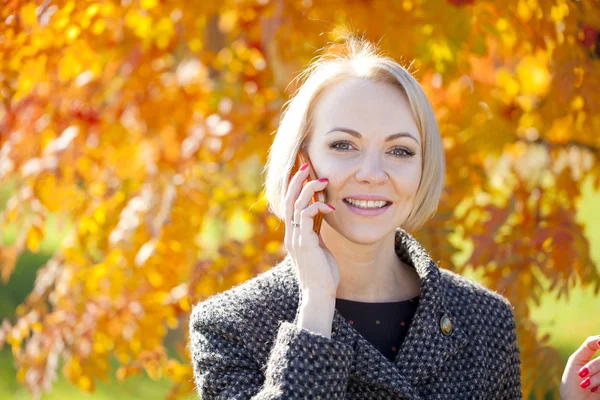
column 351, row 56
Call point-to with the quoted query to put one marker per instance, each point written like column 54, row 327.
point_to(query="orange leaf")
column 8, row 260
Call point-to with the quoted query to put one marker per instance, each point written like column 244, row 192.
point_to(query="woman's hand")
column 581, row 379
column 316, row 268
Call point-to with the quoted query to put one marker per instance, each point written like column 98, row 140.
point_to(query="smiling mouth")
column 365, row 204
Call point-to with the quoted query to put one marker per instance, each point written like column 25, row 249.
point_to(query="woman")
column 360, row 311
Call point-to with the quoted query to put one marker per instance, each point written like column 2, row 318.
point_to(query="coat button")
column 446, row 325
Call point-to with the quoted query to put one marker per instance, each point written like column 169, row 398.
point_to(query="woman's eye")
column 337, row 145
column 403, row 152
column 397, row 151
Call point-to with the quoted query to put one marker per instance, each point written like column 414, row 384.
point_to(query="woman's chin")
column 359, row 233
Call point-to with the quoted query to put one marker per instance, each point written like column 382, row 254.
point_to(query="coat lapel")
column 425, row 347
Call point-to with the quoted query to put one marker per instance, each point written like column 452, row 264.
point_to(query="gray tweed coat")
column 245, row 344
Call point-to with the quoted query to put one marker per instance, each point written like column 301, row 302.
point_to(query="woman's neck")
column 371, row 273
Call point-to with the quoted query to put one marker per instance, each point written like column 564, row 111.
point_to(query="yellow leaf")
column 121, row 374
column 135, row 345
column 123, row 357
column 153, row 370
column 195, row 45
column 85, row 383
column 28, row 16
column 34, row 237
column 561, row 129
column 273, row 247
column 21, row 374
column 185, row 304
column 505, row 80
column 172, row 323
column 100, row 215
column 523, row 11
column 98, row 27
column 37, row 326
column 533, row 75
column 559, row 11
column 72, row 33
column 141, row 24
column 148, row 4
column 175, row 246
column 155, row 279
column 48, row 193
column 69, row 67
column 577, row 103
column 92, row 10
column 228, row 20
column 73, row 369
column 97, row 189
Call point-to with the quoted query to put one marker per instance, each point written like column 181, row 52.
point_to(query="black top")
column 383, row 324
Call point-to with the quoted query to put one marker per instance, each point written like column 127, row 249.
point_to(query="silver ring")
column 295, row 224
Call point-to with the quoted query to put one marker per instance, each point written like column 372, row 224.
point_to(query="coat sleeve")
column 301, row 364
column 511, row 377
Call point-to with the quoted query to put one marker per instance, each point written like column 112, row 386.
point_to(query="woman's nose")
column 371, row 171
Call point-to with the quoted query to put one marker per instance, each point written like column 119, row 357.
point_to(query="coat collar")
column 425, row 347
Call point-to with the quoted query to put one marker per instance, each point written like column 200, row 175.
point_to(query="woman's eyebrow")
column 387, row 139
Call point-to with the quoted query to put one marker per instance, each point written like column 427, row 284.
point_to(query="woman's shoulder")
column 250, row 299
column 468, row 297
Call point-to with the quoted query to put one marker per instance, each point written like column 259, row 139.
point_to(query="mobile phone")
column 302, row 159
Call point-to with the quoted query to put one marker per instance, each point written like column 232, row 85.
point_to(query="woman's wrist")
column 316, row 315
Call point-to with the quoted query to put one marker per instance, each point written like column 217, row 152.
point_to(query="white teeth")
column 367, row 204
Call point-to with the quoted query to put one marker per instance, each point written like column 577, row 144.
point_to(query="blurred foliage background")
column 133, row 134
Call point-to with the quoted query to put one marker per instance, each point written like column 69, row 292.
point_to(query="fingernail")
column 303, row 167
column 583, row 372
column 598, row 343
column 332, row 207
column 594, row 389
column 323, row 180
column 585, row 383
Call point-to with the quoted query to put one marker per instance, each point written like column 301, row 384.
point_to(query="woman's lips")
column 371, row 212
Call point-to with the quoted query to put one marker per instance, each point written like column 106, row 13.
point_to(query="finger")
column 585, row 352
column 307, row 236
column 292, row 193
column 589, row 369
column 303, row 201
column 307, row 193
column 590, row 382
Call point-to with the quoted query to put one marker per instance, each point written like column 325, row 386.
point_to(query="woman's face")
column 350, row 145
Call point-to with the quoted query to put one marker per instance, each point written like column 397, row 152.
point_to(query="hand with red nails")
column 316, row 268
column 581, row 378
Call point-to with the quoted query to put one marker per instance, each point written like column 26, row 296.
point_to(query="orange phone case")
column 318, row 196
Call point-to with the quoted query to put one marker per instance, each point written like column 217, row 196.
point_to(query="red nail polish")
column 332, row 207
column 302, row 168
column 585, row 383
column 323, row 180
column 598, row 343
column 594, row 389
column 583, row 373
